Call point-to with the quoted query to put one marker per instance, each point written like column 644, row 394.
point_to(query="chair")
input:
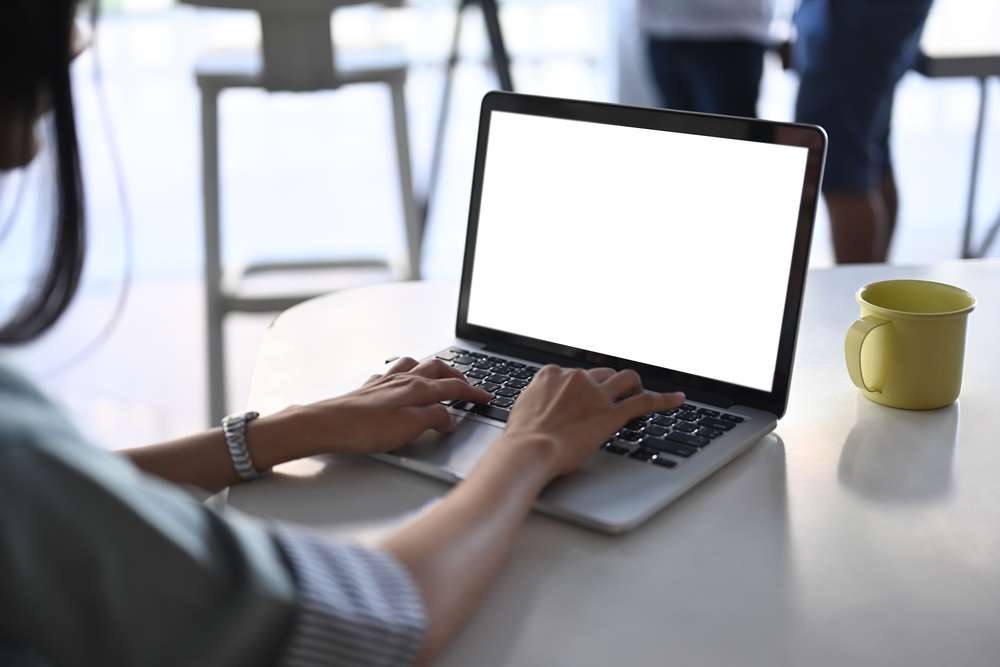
column 296, row 55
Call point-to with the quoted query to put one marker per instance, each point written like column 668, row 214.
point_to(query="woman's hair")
column 35, row 55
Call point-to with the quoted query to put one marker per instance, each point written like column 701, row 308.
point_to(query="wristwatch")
column 235, row 429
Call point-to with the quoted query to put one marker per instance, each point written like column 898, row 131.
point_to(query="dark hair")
column 35, row 55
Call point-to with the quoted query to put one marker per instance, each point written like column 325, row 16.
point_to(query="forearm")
column 457, row 548
column 203, row 460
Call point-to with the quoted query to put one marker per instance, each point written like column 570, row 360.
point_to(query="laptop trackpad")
column 456, row 452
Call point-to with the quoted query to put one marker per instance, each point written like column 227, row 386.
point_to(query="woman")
column 105, row 562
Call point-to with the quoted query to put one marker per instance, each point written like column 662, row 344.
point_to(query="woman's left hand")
column 387, row 412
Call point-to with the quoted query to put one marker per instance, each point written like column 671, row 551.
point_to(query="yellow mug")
column 908, row 348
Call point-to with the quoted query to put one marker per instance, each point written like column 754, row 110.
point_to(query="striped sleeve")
column 355, row 606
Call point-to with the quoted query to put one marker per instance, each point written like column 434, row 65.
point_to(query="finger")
column 435, row 368
column 601, row 374
column 648, row 401
column 622, row 384
column 402, row 365
column 373, row 378
column 434, row 417
column 451, row 389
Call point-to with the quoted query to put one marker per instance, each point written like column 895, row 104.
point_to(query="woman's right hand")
column 570, row 412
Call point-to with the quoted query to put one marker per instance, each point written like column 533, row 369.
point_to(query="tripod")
column 501, row 64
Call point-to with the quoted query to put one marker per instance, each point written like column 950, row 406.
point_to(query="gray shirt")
column 707, row 19
column 101, row 564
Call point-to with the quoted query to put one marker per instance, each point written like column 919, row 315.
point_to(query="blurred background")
column 315, row 174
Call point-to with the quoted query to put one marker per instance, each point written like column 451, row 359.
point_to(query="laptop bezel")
column 810, row 137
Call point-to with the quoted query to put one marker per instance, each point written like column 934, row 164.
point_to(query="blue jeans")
column 711, row 76
column 850, row 55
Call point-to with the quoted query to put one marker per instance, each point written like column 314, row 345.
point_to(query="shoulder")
column 29, row 421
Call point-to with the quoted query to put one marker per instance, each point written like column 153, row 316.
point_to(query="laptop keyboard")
column 660, row 438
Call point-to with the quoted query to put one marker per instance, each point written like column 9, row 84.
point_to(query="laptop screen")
column 664, row 248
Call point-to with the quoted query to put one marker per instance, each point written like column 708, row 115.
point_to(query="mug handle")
column 852, row 349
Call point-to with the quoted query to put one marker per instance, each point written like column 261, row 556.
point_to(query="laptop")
column 669, row 242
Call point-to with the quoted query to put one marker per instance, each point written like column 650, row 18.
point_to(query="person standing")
column 850, row 55
column 707, row 55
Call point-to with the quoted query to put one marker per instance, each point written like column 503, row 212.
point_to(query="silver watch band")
column 234, row 427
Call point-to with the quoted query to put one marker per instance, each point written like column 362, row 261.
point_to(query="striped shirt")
column 104, row 565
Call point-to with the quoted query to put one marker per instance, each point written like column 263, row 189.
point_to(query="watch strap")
column 234, row 427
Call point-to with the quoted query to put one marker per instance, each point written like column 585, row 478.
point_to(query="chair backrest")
column 296, row 41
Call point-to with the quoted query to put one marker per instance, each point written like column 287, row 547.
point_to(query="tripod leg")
column 501, row 59
column 442, row 120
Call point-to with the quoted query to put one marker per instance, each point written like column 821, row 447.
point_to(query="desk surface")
column 856, row 534
column 962, row 38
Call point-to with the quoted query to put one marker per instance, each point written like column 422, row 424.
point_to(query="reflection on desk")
column 901, row 456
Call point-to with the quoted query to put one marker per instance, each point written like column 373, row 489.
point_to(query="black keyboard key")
column 517, row 384
column 475, row 375
column 669, row 446
column 523, row 374
column 663, row 461
column 491, row 411
column 505, row 369
column 681, row 450
column 668, row 413
column 484, row 364
column 488, row 386
column 736, row 419
column 629, row 436
column 636, row 425
column 705, row 412
column 465, row 359
column 689, row 406
column 502, row 402
column 688, row 416
column 716, row 423
column 710, row 433
column 643, row 453
column 656, row 431
column 461, row 368
column 507, row 392
column 685, row 427
column 496, row 377
column 686, row 439
column 447, row 355
column 615, row 449
column 517, row 364
column 664, row 421
column 659, row 444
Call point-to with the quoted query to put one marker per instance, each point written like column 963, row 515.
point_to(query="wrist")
column 277, row 438
column 533, row 457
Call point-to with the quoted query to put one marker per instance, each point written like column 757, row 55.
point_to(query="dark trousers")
column 712, row 76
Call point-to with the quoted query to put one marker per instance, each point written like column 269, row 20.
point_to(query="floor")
column 314, row 176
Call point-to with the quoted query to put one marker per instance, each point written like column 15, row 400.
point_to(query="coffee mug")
column 908, row 348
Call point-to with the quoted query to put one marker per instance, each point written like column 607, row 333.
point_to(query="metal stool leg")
column 411, row 217
column 970, row 205
column 214, row 306
column 968, row 251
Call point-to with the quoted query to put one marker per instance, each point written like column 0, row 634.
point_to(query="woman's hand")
column 389, row 410
column 569, row 413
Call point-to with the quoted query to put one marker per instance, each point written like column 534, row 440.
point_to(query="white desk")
column 855, row 535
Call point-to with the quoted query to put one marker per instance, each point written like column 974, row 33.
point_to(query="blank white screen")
column 658, row 247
